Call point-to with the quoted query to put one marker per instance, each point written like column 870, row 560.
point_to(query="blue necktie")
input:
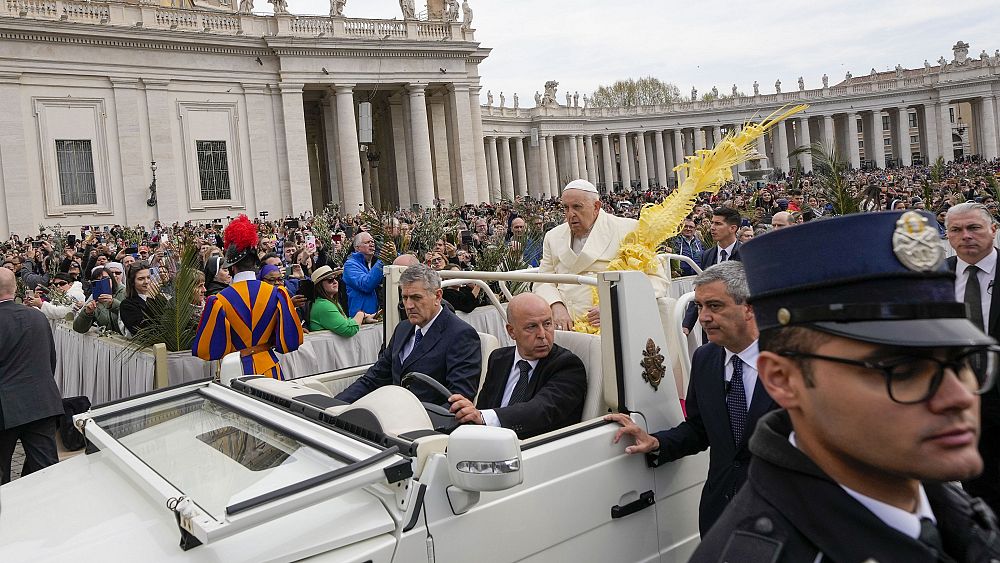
column 417, row 336
column 521, row 387
column 736, row 402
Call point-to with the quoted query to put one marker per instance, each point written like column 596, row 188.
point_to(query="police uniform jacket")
column 790, row 510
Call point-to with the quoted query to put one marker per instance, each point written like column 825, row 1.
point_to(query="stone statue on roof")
column 756, row 88
column 503, row 100
column 489, row 98
column 409, row 9
column 337, row 8
column 451, row 11
column 516, row 103
column 777, row 86
column 735, row 91
column 961, row 51
column 826, row 81
column 246, row 6
column 899, row 71
column 466, row 15
column 549, row 99
column 694, row 94
column 538, row 98
column 802, row 84
column 280, row 6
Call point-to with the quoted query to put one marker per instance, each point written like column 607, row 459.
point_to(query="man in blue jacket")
column 363, row 276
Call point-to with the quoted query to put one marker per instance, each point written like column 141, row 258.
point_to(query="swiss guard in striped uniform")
column 251, row 317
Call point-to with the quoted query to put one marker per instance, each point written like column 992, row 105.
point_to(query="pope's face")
column 581, row 211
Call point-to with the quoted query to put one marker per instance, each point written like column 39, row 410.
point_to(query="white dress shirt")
column 987, row 267
column 489, row 416
column 729, row 254
column 408, row 347
column 244, row 276
column 749, row 358
column 904, row 522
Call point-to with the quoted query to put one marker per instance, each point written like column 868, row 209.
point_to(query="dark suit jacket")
column 449, row 352
column 707, row 425
column 987, row 485
column 556, row 392
column 28, row 391
column 707, row 260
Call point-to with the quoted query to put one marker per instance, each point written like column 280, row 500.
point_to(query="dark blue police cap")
column 875, row 277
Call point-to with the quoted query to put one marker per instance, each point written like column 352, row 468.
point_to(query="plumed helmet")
column 240, row 240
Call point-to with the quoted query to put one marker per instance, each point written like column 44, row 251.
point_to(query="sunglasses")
column 60, row 284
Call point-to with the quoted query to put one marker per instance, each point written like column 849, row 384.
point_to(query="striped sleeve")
column 289, row 330
column 212, row 341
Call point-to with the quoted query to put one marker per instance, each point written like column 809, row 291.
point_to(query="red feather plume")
column 240, row 233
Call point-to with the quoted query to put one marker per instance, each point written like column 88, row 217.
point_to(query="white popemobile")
column 254, row 469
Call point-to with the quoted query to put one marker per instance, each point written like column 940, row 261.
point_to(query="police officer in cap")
column 878, row 374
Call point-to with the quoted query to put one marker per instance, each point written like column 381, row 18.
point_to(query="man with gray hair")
column 585, row 244
column 723, row 371
column 363, row 274
column 971, row 232
column 432, row 341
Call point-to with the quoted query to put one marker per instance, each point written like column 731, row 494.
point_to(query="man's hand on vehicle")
column 644, row 443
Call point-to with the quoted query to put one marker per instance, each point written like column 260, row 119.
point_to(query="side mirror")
column 481, row 458
column 484, row 458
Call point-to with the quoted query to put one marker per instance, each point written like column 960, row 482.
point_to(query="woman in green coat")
column 326, row 313
column 101, row 310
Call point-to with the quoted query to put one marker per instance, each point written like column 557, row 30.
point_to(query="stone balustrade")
column 156, row 17
column 929, row 79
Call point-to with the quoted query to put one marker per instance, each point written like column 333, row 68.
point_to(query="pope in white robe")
column 584, row 245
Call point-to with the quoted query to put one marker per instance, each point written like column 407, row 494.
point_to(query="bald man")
column 30, row 402
column 533, row 387
column 781, row 220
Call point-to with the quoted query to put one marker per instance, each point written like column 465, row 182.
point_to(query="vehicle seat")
column 488, row 343
column 588, row 348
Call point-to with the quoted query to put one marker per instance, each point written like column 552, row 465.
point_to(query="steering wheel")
column 427, row 380
column 442, row 419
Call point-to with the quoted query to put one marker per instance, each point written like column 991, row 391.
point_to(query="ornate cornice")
column 133, row 43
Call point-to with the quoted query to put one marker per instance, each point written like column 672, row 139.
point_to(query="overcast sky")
column 586, row 43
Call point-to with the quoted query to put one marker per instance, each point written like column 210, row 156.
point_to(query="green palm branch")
column 173, row 321
column 830, row 174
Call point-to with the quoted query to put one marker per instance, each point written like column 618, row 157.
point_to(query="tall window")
column 885, row 122
column 914, row 139
column 76, row 172
column 213, row 169
column 861, row 126
column 951, row 114
column 913, row 120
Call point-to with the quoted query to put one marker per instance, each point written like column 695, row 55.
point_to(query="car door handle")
column 645, row 500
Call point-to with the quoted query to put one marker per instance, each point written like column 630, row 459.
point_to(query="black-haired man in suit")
column 725, row 224
column 533, row 387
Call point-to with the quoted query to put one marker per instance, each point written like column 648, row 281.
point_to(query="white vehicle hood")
column 86, row 509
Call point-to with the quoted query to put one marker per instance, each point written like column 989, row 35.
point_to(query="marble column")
column 553, row 170
column 929, row 133
column 679, row 155
column 134, row 163
column 781, row 147
column 493, row 163
column 399, row 150
column 608, row 164
column 640, row 149
column 828, row 133
column 804, row 140
column 716, row 135
column 300, row 188
column 482, row 175
column 988, row 126
column 572, row 141
column 852, row 141
column 467, row 144
column 439, row 148
column 762, row 151
column 650, row 161
column 332, row 156
column 506, row 169
column 624, row 154
column 699, row 139
column 588, row 153
column 522, row 169
column 17, row 206
column 350, row 157
column 661, row 154
column 947, row 147
column 544, row 178
column 630, row 150
column 903, row 151
column 423, row 171
column 581, row 155
column 875, row 153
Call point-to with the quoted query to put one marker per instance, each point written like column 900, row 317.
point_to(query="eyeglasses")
column 915, row 379
column 275, row 281
column 60, row 283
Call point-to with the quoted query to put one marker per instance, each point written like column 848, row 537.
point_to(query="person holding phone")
column 326, row 312
column 102, row 308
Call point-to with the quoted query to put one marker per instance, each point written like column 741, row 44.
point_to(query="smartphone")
column 449, row 238
column 311, row 244
column 36, row 244
column 337, row 238
column 102, row 287
column 466, row 238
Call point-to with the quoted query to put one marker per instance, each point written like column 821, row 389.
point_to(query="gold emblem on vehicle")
column 917, row 245
column 652, row 364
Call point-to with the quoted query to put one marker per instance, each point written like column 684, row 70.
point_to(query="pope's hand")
column 594, row 316
column 561, row 318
